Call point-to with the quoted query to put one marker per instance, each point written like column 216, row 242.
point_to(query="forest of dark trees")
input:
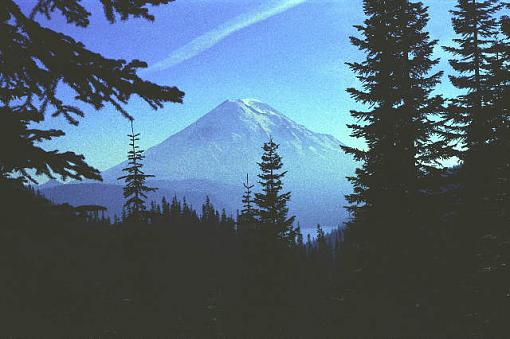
column 426, row 252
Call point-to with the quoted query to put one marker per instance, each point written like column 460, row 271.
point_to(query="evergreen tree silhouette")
column 323, row 253
column 399, row 125
column 224, row 218
column 299, row 237
column 322, row 244
column 209, row 214
column 165, row 207
column 499, row 86
column 271, row 203
column 503, row 131
column 472, row 113
column 135, row 188
column 37, row 60
column 486, row 203
column 24, row 155
column 175, row 209
column 383, row 243
column 248, row 213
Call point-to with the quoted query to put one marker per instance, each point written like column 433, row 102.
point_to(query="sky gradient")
column 290, row 54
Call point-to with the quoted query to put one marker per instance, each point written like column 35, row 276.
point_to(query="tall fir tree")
column 399, row 124
column 500, row 143
column 473, row 114
column 385, row 239
column 135, row 188
column 271, row 203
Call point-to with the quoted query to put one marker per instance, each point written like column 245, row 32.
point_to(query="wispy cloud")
column 217, row 34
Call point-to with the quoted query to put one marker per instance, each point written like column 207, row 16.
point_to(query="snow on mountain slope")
column 225, row 144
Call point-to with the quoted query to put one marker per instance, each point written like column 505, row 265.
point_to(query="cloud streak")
column 217, row 34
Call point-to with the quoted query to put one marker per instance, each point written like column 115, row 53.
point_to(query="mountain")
column 227, row 142
column 224, row 145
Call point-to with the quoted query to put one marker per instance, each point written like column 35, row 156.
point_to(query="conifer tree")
column 398, row 124
column 472, row 114
column 227, row 221
column 124, row 214
column 135, row 188
column 175, row 208
column 499, row 192
column 271, row 203
column 186, row 211
column 209, row 214
column 402, row 157
column 224, row 218
column 188, row 214
column 322, row 244
column 165, row 207
column 324, row 255
column 309, row 244
column 248, row 213
column 24, row 154
column 299, row 237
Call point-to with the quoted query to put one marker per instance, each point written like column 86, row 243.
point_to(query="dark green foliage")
column 77, row 14
column 398, row 126
column 394, row 257
column 36, row 61
column 474, row 113
column 271, row 203
column 500, row 103
column 478, row 215
column 209, row 214
column 322, row 255
column 322, row 245
column 66, row 276
column 181, row 276
column 135, row 188
column 175, row 208
column 23, row 156
column 93, row 213
column 165, row 207
column 384, row 241
column 247, row 218
column 422, row 246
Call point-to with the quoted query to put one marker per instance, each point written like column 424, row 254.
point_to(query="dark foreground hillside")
column 180, row 276
column 197, row 277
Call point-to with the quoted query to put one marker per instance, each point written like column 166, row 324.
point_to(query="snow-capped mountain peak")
column 245, row 113
column 225, row 144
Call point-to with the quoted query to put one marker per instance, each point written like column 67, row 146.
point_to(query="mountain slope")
column 225, row 144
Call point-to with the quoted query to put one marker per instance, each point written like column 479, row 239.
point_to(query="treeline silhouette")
column 425, row 254
column 178, row 273
column 427, row 249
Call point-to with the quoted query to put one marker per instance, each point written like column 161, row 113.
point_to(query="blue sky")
column 288, row 53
